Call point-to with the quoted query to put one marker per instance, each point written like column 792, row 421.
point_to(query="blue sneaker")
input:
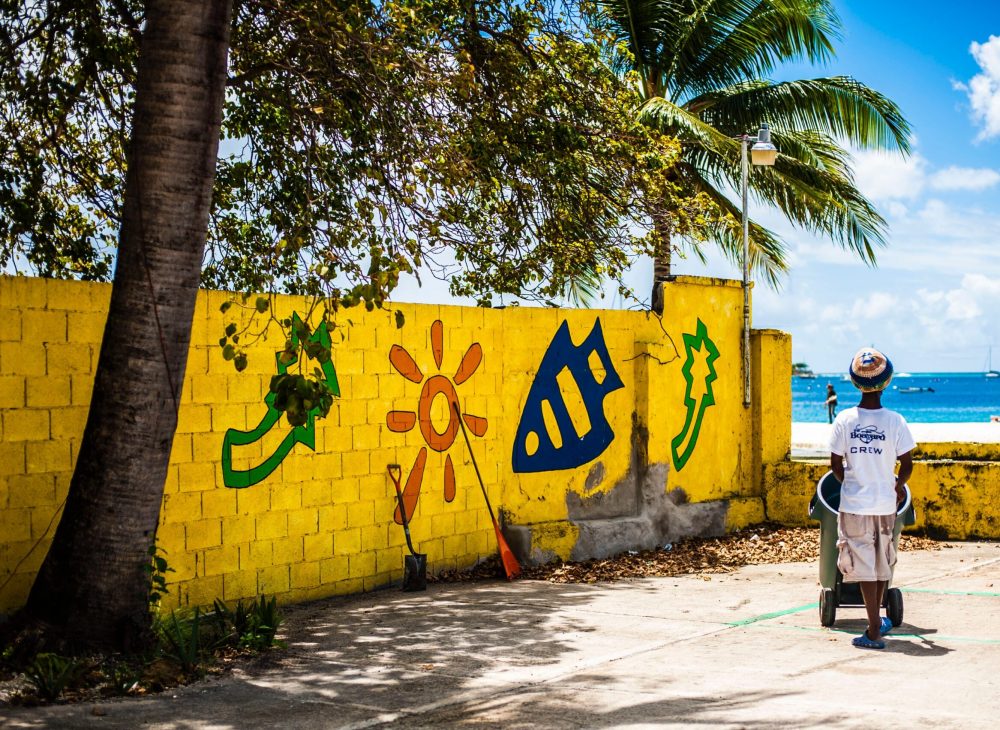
column 885, row 627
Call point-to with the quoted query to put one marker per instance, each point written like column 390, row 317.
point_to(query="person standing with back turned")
column 865, row 443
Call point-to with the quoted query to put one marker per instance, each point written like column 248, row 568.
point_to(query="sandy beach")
column 816, row 436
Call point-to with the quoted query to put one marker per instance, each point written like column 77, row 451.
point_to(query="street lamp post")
column 763, row 153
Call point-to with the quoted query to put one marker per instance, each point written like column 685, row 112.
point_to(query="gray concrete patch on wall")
column 637, row 513
column 656, row 517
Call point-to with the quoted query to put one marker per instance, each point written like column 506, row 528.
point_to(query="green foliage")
column 703, row 67
column 157, row 568
column 66, row 76
column 121, row 676
column 296, row 395
column 50, row 674
column 299, row 393
column 485, row 143
column 180, row 639
column 583, row 289
column 249, row 626
column 21, row 649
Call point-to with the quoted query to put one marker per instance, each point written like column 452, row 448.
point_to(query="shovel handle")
column 395, row 474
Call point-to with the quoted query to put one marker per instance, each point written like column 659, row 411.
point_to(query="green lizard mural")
column 304, row 434
column 698, row 396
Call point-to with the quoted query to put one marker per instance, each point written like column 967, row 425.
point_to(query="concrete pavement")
column 742, row 650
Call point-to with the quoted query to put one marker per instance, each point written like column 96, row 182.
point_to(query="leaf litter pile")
column 755, row 545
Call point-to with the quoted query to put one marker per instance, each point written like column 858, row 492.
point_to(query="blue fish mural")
column 575, row 449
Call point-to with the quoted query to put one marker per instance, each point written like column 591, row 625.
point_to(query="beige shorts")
column 865, row 547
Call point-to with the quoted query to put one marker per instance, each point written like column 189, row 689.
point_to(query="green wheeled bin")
column 834, row 593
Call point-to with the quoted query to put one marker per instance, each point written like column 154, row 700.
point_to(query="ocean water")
column 932, row 397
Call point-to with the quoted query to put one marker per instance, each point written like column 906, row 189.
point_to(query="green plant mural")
column 698, row 396
column 304, row 434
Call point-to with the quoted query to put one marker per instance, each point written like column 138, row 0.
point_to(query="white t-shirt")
column 869, row 440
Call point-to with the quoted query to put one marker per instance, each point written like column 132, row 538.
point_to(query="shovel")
column 414, row 564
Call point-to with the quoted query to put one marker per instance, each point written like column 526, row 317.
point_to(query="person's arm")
column 905, row 470
column 837, row 466
column 837, row 448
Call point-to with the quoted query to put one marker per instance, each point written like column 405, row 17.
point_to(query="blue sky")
column 933, row 302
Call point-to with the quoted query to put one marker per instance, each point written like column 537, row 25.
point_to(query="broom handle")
column 474, row 464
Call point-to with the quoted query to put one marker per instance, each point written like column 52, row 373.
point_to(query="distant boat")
column 903, row 375
column 990, row 372
column 916, row 390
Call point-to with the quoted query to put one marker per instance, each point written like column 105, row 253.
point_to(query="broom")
column 510, row 565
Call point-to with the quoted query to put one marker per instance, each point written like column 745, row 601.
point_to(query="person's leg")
column 871, row 592
column 885, row 558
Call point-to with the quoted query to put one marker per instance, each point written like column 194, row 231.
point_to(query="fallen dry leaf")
column 755, row 545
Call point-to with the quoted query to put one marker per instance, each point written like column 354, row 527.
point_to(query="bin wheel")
column 894, row 606
column 828, row 607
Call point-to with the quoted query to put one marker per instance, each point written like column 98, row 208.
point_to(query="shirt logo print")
column 867, row 434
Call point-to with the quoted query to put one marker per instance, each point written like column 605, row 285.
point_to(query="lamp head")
column 763, row 152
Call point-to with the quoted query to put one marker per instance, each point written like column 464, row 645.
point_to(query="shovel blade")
column 415, row 572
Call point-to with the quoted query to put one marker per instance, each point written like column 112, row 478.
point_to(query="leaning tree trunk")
column 661, row 264
column 92, row 584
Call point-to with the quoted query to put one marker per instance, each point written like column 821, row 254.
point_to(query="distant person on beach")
column 865, row 442
column 831, row 402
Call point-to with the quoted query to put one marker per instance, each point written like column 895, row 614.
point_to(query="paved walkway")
column 743, row 650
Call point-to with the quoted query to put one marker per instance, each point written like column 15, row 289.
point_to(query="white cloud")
column 878, row 304
column 964, row 178
column 895, row 209
column 884, row 176
column 983, row 89
column 896, row 183
column 982, row 286
column 950, row 306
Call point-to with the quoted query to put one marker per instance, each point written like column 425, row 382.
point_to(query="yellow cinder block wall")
column 953, row 499
column 321, row 523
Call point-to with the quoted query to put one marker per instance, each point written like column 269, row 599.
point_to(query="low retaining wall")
column 954, row 499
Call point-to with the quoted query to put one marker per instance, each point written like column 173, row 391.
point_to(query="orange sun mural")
column 437, row 433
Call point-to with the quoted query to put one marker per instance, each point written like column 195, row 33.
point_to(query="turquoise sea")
column 920, row 397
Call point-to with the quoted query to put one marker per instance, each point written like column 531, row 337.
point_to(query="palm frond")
column 641, row 25
column 708, row 60
column 816, row 149
column 767, row 250
column 750, row 38
column 838, row 105
column 668, row 118
column 824, row 202
column 582, row 289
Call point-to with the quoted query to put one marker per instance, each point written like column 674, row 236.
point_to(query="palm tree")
column 702, row 68
column 92, row 586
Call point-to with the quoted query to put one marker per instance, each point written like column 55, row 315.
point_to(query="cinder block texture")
column 580, row 424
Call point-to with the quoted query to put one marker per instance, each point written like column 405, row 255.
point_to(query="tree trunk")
column 93, row 585
column 661, row 264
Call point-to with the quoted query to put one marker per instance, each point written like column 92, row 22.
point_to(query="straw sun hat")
column 870, row 370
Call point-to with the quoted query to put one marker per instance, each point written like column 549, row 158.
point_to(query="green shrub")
column 249, row 626
column 266, row 618
column 180, row 639
column 121, row 677
column 50, row 674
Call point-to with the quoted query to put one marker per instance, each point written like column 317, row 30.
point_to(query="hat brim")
column 866, row 386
